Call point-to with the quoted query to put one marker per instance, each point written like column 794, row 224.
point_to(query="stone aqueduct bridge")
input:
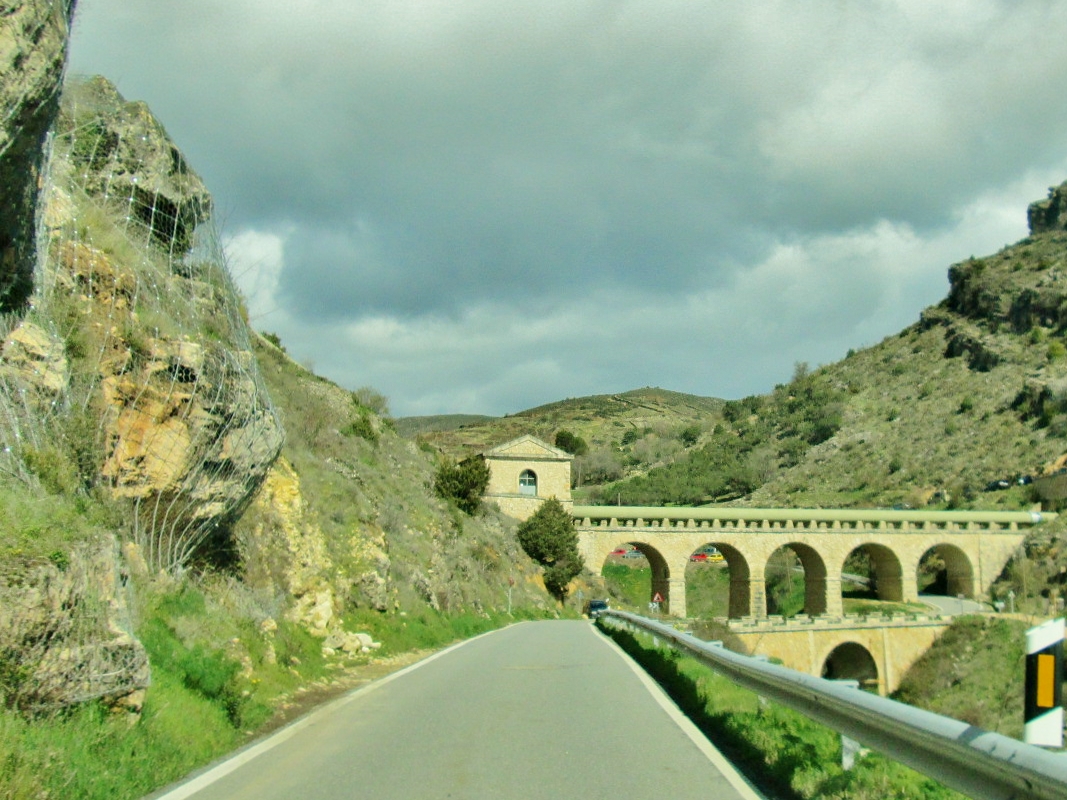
column 975, row 546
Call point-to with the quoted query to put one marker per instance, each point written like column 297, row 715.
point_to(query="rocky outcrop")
column 284, row 549
column 1024, row 286
column 1049, row 214
column 121, row 154
column 66, row 635
column 136, row 317
column 33, row 50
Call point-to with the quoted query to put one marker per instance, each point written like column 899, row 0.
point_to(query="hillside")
column 625, row 433
column 971, row 393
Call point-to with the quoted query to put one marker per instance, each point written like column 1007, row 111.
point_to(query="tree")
column 573, row 444
column 549, row 538
column 463, row 483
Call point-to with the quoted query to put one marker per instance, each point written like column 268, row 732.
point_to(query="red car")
column 620, row 551
column 698, row 557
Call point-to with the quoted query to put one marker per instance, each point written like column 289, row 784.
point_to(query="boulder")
column 69, row 626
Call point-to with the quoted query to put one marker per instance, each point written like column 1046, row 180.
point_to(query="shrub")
column 463, row 483
column 689, row 435
column 372, row 399
column 275, row 340
column 575, row 445
column 363, row 427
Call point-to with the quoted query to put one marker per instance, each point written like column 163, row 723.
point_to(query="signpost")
column 653, row 606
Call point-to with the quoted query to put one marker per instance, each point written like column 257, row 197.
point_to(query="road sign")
column 657, row 598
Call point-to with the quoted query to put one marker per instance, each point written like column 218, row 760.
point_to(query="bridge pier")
column 748, row 597
column 824, row 597
column 675, row 605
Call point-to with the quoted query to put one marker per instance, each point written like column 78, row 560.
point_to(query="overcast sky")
column 480, row 206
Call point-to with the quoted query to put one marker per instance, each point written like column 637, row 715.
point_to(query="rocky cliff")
column 126, row 371
column 33, row 50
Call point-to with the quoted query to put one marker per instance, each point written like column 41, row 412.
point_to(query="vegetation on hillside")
column 755, row 437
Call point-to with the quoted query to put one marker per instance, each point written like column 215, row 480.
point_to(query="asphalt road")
column 952, row 605
column 537, row 710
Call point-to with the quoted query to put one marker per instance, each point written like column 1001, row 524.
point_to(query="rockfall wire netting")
column 132, row 371
column 129, row 374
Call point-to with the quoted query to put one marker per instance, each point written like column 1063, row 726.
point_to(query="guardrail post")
column 1044, row 685
column 850, row 748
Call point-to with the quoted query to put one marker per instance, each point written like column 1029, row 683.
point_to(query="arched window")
column 528, row 483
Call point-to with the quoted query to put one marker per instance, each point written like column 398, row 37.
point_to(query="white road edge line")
column 710, row 751
column 242, row 757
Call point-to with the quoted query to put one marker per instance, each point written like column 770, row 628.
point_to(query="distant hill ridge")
column 974, row 391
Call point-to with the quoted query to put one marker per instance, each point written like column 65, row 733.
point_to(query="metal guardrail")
column 978, row 763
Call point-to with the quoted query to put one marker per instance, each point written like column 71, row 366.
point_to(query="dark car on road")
column 594, row 608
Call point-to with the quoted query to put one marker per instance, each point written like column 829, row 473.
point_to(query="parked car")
column 635, row 553
column 620, row 551
column 710, row 557
column 594, row 608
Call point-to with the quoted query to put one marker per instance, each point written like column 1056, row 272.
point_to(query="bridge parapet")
column 799, row 519
column 974, row 545
column 776, row 624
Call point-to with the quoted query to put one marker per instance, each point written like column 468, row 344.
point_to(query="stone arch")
column 956, row 577
column 739, row 602
column 851, row 661
column 814, row 575
column 887, row 572
column 661, row 572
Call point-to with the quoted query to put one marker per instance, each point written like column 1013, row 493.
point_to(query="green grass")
column 37, row 527
column 90, row 753
column 707, row 590
column 868, row 607
column 403, row 632
column 629, row 587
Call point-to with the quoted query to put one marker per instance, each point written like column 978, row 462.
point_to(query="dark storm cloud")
column 479, row 206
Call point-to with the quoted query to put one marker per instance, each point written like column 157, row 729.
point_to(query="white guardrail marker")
column 1044, row 685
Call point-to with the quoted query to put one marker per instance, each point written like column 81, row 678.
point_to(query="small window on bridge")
column 528, row 483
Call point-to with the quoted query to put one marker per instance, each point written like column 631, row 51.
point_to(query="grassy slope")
column 364, row 482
